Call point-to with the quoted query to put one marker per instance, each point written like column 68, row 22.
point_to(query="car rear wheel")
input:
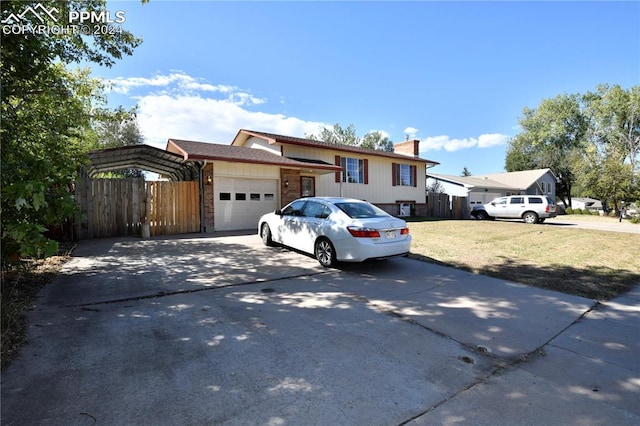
column 325, row 252
column 530, row 217
column 265, row 234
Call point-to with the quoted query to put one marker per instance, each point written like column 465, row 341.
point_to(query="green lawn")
column 594, row 264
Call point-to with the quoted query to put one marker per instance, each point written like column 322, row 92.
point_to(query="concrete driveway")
column 222, row 330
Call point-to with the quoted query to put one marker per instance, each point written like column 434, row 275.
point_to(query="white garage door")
column 476, row 198
column 239, row 203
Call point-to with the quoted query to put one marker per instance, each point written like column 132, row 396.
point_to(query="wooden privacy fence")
column 445, row 206
column 173, row 207
column 119, row 207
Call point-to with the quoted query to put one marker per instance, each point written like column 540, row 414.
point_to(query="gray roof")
column 194, row 151
column 509, row 181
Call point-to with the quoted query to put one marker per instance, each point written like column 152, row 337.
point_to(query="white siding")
column 379, row 188
column 247, row 170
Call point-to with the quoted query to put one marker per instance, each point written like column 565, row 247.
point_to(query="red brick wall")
column 208, row 197
column 289, row 192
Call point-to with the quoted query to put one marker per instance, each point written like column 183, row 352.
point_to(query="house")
column 260, row 172
column 481, row 189
column 586, row 203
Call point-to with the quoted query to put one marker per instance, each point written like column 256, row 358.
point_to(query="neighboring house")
column 260, row 172
column 586, row 204
column 481, row 189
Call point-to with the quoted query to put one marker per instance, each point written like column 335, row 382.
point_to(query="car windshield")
column 361, row 210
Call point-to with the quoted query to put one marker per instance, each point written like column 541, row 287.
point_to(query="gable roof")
column 198, row 151
column 521, row 180
column 274, row 139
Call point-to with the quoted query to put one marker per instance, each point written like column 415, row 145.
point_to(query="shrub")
column 569, row 210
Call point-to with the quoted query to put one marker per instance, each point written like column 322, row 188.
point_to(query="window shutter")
column 366, row 171
column 415, row 176
column 338, row 173
column 393, row 174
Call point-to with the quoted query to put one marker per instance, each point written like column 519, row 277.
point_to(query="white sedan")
column 336, row 229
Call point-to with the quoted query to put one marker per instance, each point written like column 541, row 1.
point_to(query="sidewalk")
column 588, row 375
column 613, row 226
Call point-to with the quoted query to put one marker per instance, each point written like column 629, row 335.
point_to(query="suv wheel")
column 530, row 217
column 482, row 215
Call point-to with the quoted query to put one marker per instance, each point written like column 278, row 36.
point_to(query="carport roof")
column 192, row 150
column 144, row 157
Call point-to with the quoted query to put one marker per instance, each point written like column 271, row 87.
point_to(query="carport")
column 120, row 207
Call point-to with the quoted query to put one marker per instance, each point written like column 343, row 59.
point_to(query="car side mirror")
column 493, row 204
column 278, row 212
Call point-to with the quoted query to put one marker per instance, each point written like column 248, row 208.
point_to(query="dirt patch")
column 21, row 282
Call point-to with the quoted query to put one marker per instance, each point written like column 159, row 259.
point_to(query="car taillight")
column 404, row 231
column 546, row 210
column 359, row 232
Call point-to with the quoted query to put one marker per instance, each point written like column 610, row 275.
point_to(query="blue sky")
column 455, row 75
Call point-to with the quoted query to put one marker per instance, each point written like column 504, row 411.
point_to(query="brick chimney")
column 410, row 148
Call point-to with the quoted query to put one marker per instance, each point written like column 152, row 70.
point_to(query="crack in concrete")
column 178, row 292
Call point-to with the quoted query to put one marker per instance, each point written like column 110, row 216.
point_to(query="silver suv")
column 529, row 208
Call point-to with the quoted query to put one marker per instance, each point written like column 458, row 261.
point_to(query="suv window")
column 535, row 200
column 502, row 200
column 516, row 200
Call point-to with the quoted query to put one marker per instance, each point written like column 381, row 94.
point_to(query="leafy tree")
column 117, row 130
column 436, row 187
column 551, row 137
column 337, row 135
column 46, row 113
column 465, row 172
column 609, row 164
column 347, row 136
column 375, row 140
column 615, row 120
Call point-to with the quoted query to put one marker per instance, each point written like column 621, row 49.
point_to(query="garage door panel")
column 239, row 203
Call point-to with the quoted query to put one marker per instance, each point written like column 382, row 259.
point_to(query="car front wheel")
column 530, row 217
column 265, row 234
column 325, row 252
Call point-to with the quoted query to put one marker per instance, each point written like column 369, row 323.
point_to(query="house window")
column 225, row 196
column 241, row 196
column 352, row 170
column 255, row 197
column 404, row 175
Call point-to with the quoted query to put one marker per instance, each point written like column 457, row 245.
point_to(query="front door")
column 308, row 185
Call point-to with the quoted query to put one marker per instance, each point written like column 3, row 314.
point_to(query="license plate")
column 390, row 234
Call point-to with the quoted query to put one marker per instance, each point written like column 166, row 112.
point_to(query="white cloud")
column 492, row 139
column 411, row 131
column 208, row 120
column 176, row 81
column 436, row 143
column 179, row 106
